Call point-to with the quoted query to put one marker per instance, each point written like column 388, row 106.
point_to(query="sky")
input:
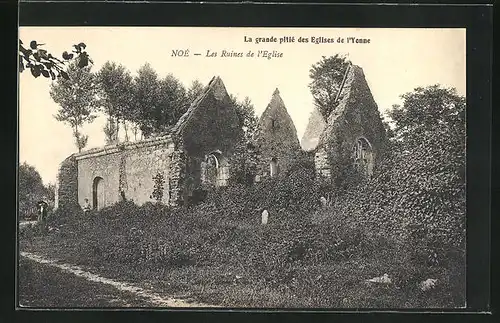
column 395, row 61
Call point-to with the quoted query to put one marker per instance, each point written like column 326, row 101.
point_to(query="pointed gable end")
column 211, row 122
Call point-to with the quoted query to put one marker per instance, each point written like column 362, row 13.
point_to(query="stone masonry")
column 199, row 150
column 354, row 130
column 277, row 142
column 106, row 175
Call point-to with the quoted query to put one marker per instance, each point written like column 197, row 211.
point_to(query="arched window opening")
column 274, row 125
column 363, row 156
column 98, row 201
column 216, row 169
column 273, row 167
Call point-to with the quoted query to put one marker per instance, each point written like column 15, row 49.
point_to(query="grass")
column 42, row 286
column 230, row 272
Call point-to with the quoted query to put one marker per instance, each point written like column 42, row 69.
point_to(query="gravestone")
column 265, row 217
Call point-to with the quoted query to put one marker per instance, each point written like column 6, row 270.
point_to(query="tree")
column 110, row 131
column 244, row 160
column 424, row 176
column 247, row 117
column 157, row 103
column 418, row 190
column 146, row 91
column 173, row 103
column 429, row 161
column 115, row 83
column 326, row 79
column 30, row 188
column 76, row 97
column 50, row 192
column 41, row 62
column 194, row 91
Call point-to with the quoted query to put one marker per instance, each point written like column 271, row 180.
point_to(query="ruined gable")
column 210, row 123
column 209, row 132
column 354, row 135
column 315, row 127
column 277, row 137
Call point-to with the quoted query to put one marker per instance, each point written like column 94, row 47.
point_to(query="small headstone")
column 265, row 216
column 323, row 201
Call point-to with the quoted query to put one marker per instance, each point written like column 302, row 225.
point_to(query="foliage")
column 51, row 191
column 247, row 118
column 146, row 98
column 116, row 87
column 326, row 79
column 223, row 249
column 41, row 62
column 159, row 182
column 419, row 188
column 194, row 91
column 67, row 177
column 244, row 163
column 110, row 130
column 144, row 102
column 430, row 161
column 157, row 104
column 173, row 103
column 77, row 101
column 30, row 189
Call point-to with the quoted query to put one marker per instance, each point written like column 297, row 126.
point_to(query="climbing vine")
column 159, row 182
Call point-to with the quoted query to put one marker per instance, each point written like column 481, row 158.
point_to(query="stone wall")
column 211, row 123
column 176, row 179
column 315, row 127
column 209, row 126
column 142, row 163
column 127, row 168
column 105, row 164
column 357, row 116
column 276, row 138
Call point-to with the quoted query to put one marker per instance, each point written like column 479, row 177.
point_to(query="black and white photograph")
column 241, row 167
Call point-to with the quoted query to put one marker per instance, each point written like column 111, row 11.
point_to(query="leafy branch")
column 41, row 62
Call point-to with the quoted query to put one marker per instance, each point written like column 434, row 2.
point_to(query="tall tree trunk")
column 77, row 138
column 117, row 136
column 125, row 127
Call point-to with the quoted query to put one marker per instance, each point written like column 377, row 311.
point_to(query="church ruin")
column 354, row 134
column 277, row 141
column 199, row 150
column 195, row 152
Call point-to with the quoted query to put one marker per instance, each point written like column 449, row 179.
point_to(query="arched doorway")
column 98, row 201
column 363, row 156
column 273, row 167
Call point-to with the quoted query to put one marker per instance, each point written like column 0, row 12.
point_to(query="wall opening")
column 321, row 163
column 216, row 169
column 363, row 156
column 273, row 167
column 98, row 201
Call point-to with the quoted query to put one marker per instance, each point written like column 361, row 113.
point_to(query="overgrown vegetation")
column 407, row 220
column 326, row 80
column 31, row 190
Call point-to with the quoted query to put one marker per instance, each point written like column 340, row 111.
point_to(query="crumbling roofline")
column 111, row 149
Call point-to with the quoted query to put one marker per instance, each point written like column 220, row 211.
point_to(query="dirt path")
column 155, row 299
